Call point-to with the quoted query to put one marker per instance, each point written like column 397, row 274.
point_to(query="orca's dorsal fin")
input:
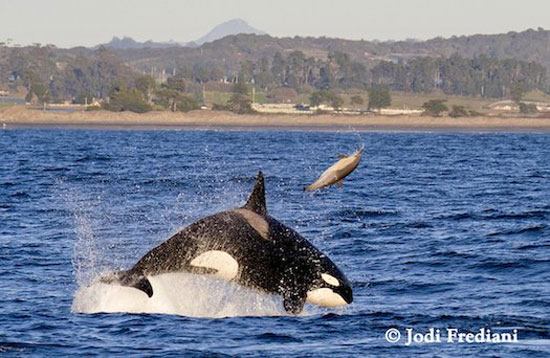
column 256, row 200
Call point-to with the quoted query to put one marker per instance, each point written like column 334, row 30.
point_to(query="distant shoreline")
column 21, row 117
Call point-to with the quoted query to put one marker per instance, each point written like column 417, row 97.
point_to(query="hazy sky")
column 67, row 23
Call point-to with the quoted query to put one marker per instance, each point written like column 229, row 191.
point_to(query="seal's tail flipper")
column 309, row 188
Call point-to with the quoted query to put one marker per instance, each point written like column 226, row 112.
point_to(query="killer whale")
column 248, row 247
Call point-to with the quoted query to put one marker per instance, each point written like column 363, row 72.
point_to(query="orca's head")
column 330, row 287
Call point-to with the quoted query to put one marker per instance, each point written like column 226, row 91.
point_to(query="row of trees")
column 298, row 71
column 145, row 95
column 80, row 78
column 481, row 76
column 378, row 98
column 455, row 75
column 172, row 95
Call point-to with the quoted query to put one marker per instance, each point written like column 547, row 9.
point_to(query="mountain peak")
column 227, row 28
column 231, row 27
column 127, row 42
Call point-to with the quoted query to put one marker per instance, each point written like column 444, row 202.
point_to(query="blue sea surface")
column 434, row 230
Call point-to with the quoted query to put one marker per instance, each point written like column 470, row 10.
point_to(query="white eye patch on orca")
column 225, row 265
column 331, row 280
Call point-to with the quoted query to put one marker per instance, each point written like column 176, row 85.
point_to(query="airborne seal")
column 336, row 173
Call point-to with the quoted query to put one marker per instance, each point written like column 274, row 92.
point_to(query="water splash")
column 180, row 294
column 85, row 256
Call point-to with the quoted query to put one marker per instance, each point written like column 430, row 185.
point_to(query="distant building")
column 400, row 111
column 511, row 106
column 283, row 108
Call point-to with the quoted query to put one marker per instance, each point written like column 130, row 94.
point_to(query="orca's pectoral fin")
column 144, row 285
column 294, row 302
column 137, row 281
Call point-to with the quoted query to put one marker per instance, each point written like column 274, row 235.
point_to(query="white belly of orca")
column 181, row 294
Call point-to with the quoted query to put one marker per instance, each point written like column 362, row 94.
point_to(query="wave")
column 533, row 246
column 498, row 264
column 492, row 214
column 56, row 169
column 532, row 214
column 456, row 216
column 523, row 230
column 274, row 337
column 363, row 213
column 454, row 254
column 20, row 194
column 93, row 158
column 413, row 287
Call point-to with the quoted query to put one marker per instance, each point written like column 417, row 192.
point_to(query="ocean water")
column 434, row 230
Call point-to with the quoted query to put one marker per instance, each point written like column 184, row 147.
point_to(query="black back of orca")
column 251, row 248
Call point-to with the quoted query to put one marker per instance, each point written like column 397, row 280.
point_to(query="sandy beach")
column 20, row 116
